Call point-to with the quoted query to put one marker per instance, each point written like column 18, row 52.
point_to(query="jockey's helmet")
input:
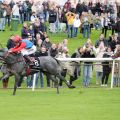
column 17, row 39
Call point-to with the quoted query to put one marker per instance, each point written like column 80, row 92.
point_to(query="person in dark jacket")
column 67, row 5
column 10, row 43
column 53, row 51
column 42, row 52
column 47, row 43
column 52, row 16
column 115, row 41
column 87, row 69
column 79, row 8
column 118, row 26
column 106, row 67
column 24, row 31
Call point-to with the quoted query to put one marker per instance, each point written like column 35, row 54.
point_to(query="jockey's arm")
column 18, row 49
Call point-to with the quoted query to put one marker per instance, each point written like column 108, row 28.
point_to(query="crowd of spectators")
column 67, row 19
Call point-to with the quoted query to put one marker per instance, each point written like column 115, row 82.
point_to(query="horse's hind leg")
column 62, row 78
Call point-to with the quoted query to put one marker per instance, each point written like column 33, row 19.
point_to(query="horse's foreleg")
column 57, row 85
column 55, row 80
column 17, row 78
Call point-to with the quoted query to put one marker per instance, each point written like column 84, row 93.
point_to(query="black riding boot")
column 29, row 60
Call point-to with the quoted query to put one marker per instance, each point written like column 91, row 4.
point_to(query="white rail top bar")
column 88, row 59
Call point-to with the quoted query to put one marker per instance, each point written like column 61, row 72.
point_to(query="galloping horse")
column 17, row 66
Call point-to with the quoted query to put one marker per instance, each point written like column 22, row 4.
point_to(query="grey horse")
column 17, row 66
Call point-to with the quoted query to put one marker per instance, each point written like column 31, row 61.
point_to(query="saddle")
column 32, row 62
column 29, row 60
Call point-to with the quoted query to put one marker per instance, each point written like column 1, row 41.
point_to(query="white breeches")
column 29, row 51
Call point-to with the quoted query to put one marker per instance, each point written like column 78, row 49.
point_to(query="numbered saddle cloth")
column 37, row 62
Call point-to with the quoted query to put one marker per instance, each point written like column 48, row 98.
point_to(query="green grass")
column 94, row 103
column 45, row 104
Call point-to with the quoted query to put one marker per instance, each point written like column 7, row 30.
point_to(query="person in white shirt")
column 76, row 25
column 15, row 11
column 105, row 21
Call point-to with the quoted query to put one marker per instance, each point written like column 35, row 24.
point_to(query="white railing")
column 89, row 60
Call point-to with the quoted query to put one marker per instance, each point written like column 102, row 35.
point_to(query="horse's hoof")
column 72, row 87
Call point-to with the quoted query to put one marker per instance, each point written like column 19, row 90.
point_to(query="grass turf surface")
column 45, row 104
column 94, row 103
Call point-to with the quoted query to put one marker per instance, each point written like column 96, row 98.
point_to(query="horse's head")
column 2, row 51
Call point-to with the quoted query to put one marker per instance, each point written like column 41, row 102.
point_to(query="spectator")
column 118, row 26
column 106, row 67
column 2, row 17
column 105, row 21
column 52, row 20
column 16, row 11
column 24, row 31
column 21, row 11
column 39, row 27
column 77, row 70
column 115, row 41
column 31, row 32
column 79, row 8
column 113, row 25
column 63, row 44
column 87, row 69
column 47, row 43
column 38, row 40
column 33, row 17
column 76, row 25
column 98, row 8
column 8, row 13
column 86, row 25
column 10, row 43
column 101, row 39
column 58, row 18
column 116, row 75
column 70, row 21
column 97, row 21
column 45, row 10
column 63, row 17
column 98, row 67
column 42, row 52
column 53, row 51
column 67, row 5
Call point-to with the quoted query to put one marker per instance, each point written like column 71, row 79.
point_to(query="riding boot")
column 29, row 60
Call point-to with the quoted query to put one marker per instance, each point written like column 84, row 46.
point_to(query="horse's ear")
column 3, row 49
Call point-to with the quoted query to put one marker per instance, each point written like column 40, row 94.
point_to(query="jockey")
column 25, row 46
